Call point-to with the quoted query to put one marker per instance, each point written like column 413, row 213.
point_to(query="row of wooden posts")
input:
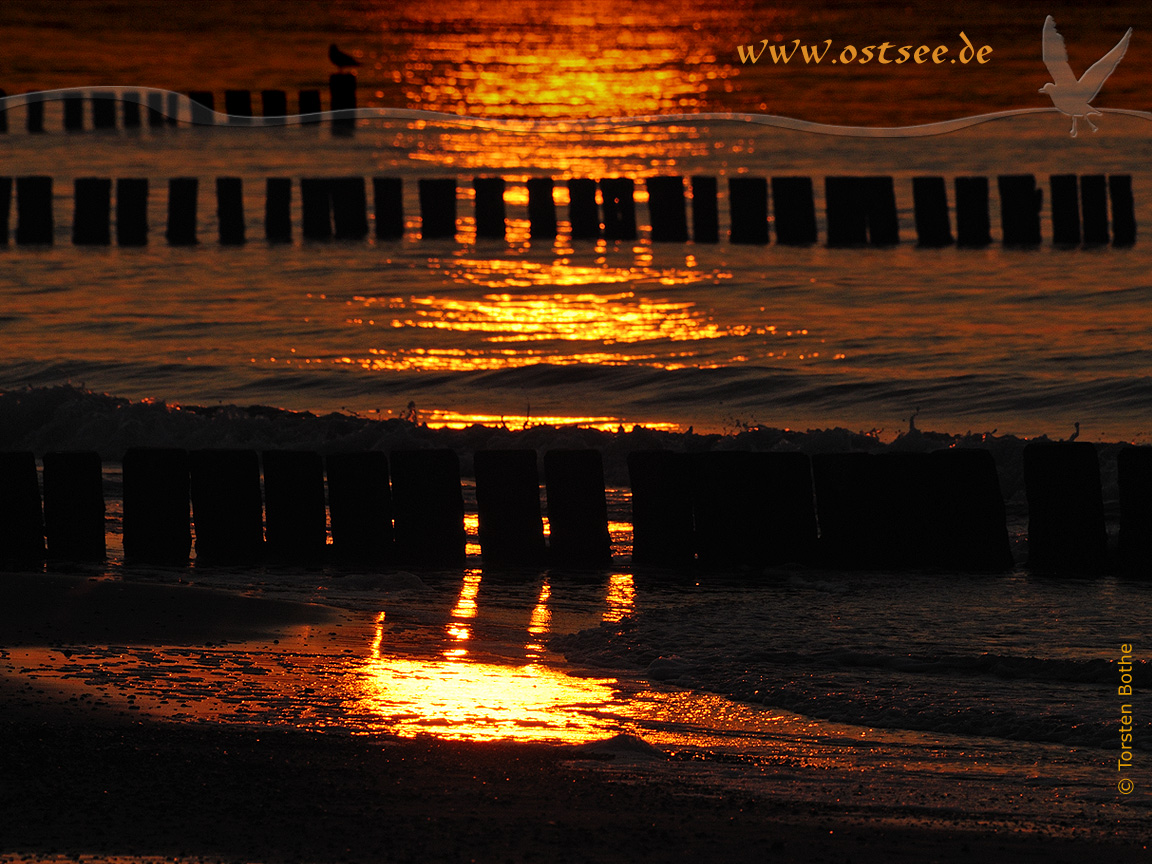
column 159, row 109
column 713, row 510
column 859, row 210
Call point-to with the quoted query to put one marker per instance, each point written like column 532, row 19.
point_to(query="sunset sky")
column 607, row 58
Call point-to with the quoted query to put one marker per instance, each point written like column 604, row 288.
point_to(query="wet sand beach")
column 98, row 779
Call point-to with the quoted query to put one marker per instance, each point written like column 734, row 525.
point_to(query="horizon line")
column 523, row 125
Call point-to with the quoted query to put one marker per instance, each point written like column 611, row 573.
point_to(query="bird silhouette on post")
column 341, row 60
column 1069, row 95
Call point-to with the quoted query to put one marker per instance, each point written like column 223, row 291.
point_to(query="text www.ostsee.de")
column 885, row 53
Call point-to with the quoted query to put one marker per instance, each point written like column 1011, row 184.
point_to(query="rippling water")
column 715, row 336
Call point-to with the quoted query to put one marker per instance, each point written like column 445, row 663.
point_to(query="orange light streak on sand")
column 461, row 699
column 540, row 623
column 464, row 609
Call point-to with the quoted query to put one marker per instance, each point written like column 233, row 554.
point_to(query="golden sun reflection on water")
column 518, row 330
column 460, row 698
column 605, row 318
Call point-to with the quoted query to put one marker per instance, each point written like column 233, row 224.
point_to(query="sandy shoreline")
column 121, row 788
column 83, row 777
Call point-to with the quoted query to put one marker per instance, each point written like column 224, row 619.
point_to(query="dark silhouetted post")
column 619, row 208
column 970, row 531
column 1065, row 507
column 132, row 211
column 662, row 532
column 35, row 113
column 349, row 208
column 157, row 525
column 130, row 105
column 437, row 207
column 226, row 506
column 902, row 523
column 666, row 209
column 273, row 103
column 388, row 199
column 238, row 107
column 844, row 504
column 360, row 506
column 278, row 210
column 93, row 211
column 748, row 207
column 1020, row 202
column 541, row 208
column 583, row 212
column 1065, row 210
column 155, row 110
column 104, row 111
column 508, row 504
column 182, row 193
column 310, row 107
column 930, row 201
column 753, row 509
column 705, row 210
column 21, row 519
column 1134, row 470
column 34, row 223
column 342, row 92
column 794, row 211
column 294, row 505
column 230, row 210
column 879, row 197
column 1123, row 209
column 973, row 224
column 74, row 506
column 73, row 113
column 490, row 220
column 203, row 108
column 1094, row 205
column 3, row 112
column 577, row 509
column 5, row 209
column 845, row 207
column 172, row 115
column 428, row 507
column 316, row 208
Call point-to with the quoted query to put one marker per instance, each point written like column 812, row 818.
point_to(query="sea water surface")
column 714, row 336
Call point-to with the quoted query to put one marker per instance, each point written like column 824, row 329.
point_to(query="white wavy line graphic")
column 188, row 111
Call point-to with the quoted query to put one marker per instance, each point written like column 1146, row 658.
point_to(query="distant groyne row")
column 720, row 510
column 110, row 108
column 1088, row 210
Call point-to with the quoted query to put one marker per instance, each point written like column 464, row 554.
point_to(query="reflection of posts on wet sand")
column 462, row 696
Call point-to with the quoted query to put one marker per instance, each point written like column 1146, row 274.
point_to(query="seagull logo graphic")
column 1071, row 96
